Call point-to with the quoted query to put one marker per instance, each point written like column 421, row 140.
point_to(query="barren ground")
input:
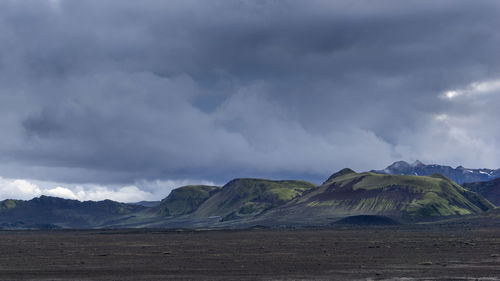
column 394, row 253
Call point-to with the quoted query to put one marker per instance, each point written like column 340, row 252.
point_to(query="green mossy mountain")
column 242, row 198
column 53, row 212
column 185, row 200
column 405, row 198
column 489, row 189
column 345, row 171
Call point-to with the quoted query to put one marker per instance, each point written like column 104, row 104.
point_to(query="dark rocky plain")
column 405, row 252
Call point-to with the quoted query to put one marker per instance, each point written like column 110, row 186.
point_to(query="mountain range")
column 459, row 174
column 53, row 212
column 346, row 196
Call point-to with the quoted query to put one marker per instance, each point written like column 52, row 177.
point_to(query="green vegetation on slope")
column 250, row 197
column 9, row 204
column 185, row 200
column 410, row 197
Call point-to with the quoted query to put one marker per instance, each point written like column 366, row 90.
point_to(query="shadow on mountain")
column 366, row 220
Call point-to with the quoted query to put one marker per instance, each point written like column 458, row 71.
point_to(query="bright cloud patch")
column 124, row 194
column 61, row 192
column 18, row 189
column 145, row 191
column 476, row 88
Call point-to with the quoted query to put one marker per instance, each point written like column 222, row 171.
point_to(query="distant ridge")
column 54, row 212
column 458, row 174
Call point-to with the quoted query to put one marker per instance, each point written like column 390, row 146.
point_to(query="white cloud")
column 475, row 88
column 18, row 189
column 451, row 94
column 452, row 139
column 441, row 117
column 486, row 86
column 61, row 192
column 159, row 189
column 123, row 194
column 142, row 191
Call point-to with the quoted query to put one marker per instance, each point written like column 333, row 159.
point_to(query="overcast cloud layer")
column 128, row 99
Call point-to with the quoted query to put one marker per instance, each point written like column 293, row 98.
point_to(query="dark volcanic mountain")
column 458, row 174
column 52, row 212
column 489, row 189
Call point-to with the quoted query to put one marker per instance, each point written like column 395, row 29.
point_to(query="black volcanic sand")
column 369, row 253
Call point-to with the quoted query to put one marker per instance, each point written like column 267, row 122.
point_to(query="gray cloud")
column 118, row 92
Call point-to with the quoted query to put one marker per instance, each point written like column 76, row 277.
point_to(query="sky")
column 126, row 100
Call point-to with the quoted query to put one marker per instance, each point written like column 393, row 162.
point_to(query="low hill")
column 406, row 198
column 458, row 174
column 490, row 218
column 489, row 189
column 242, row 198
column 185, row 200
column 53, row 212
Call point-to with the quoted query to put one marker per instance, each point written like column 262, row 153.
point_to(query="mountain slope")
column 52, row 212
column 185, row 200
column 147, row 203
column 409, row 198
column 489, row 189
column 458, row 174
column 241, row 198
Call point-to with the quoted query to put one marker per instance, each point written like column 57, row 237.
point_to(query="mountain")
column 401, row 197
column 458, row 174
column 243, row 198
column 147, row 203
column 53, row 212
column 185, row 200
column 489, row 189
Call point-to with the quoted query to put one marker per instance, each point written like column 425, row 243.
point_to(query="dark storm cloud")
column 123, row 91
